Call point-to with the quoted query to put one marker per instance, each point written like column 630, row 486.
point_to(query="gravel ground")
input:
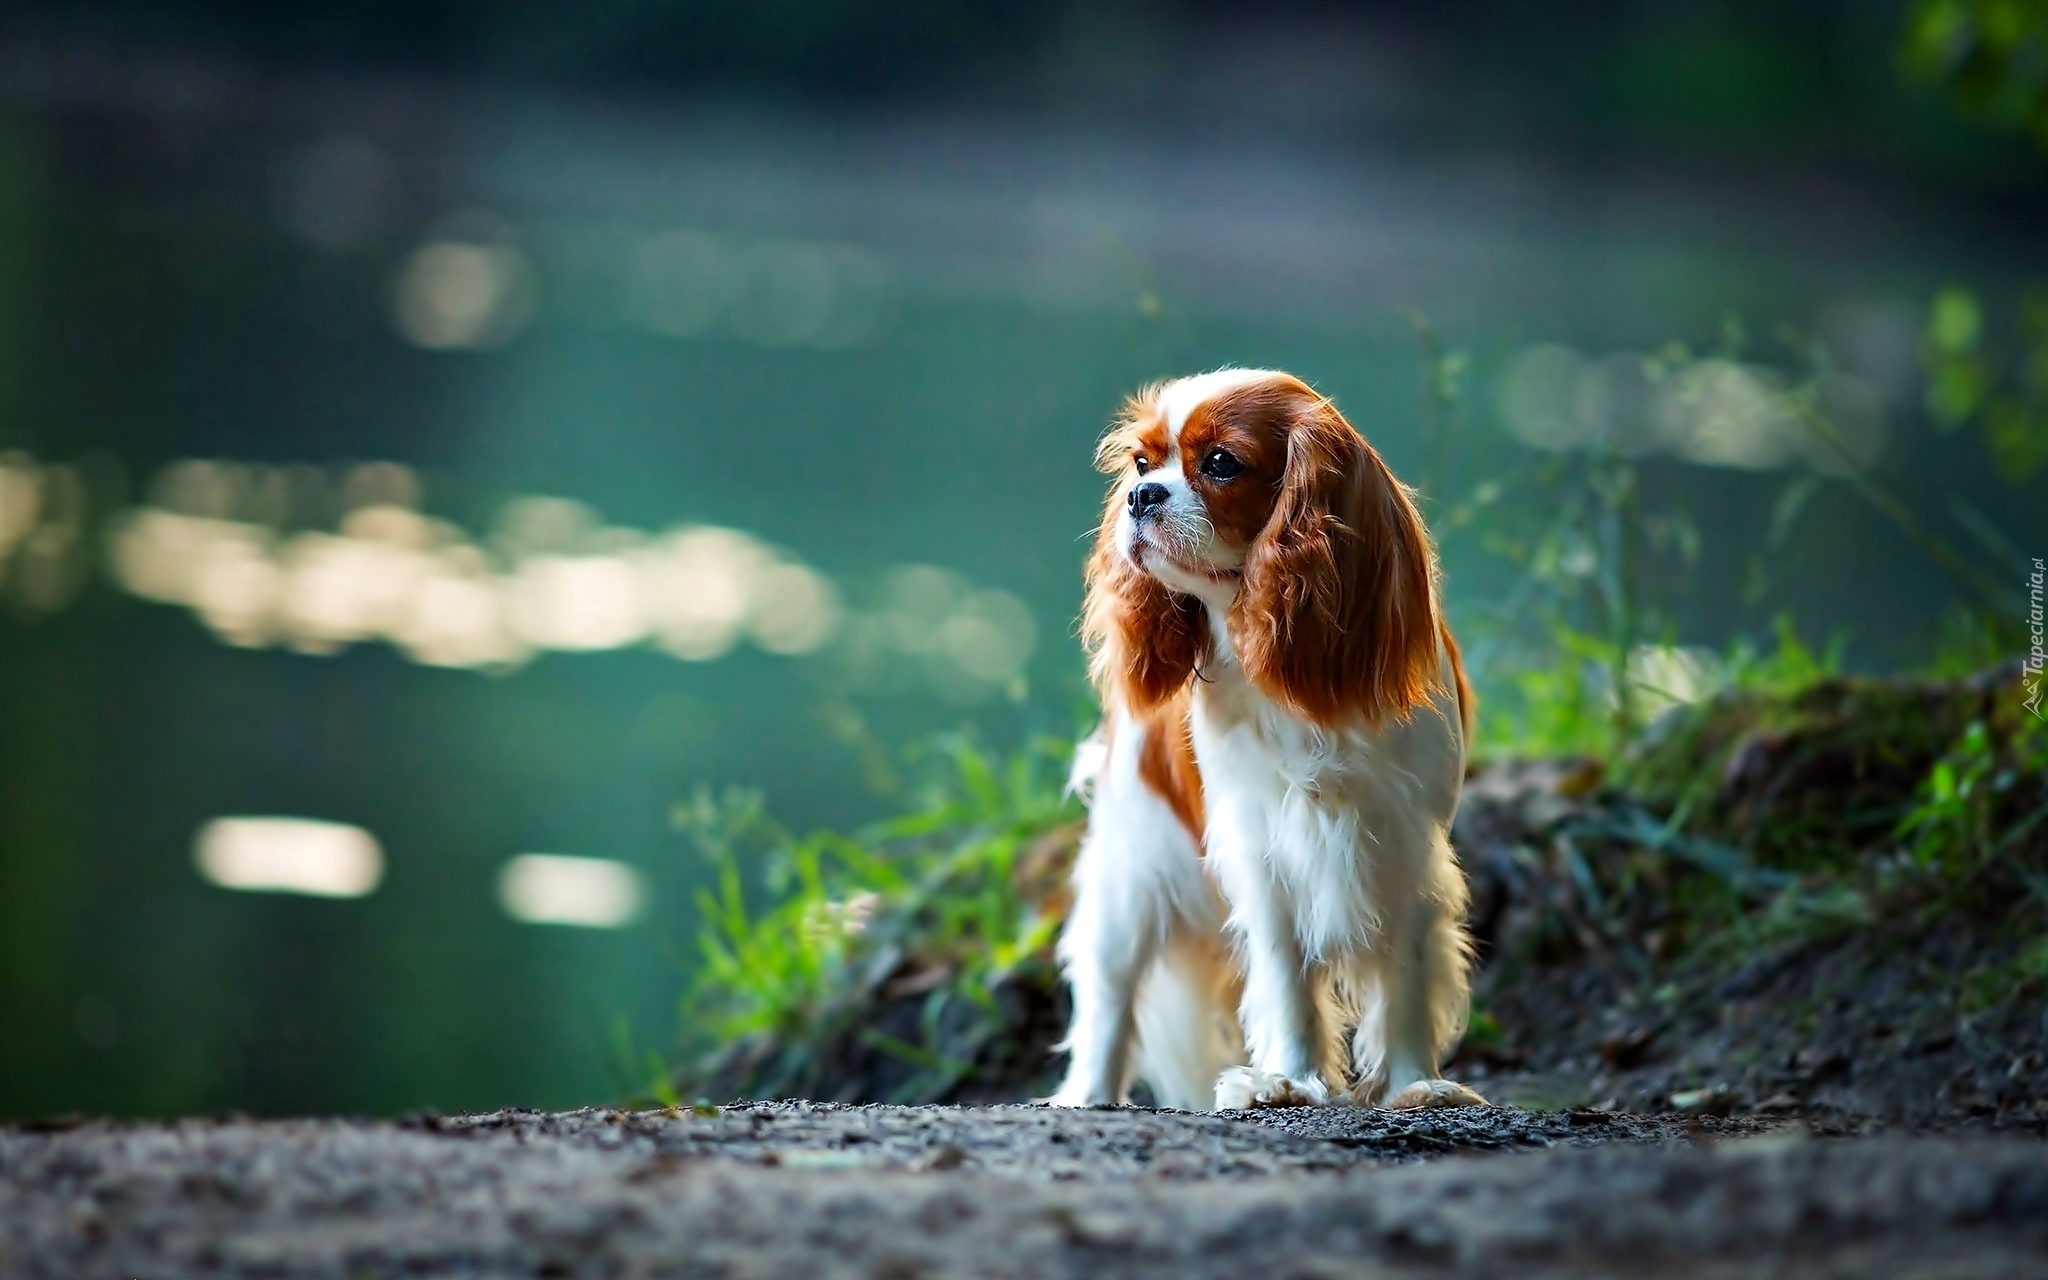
column 802, row 1190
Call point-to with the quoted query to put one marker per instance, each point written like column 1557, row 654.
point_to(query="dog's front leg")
column 1283, row 1027
column 1107, row 944
column 1423, row 996
column 1103, row 967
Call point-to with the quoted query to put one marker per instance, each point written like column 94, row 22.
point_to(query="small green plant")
column 935, row 906
column 1792, row 665
column 1986, row 56
column 1555, row 703
column 1952, row 816
column 1969, row 384
column 1963, row 812
column 1562, row 702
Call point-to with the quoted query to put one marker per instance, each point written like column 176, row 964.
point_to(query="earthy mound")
column 1828, row 904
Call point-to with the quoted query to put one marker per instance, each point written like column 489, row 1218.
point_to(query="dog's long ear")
column 1337, row 618
column 1143, row 641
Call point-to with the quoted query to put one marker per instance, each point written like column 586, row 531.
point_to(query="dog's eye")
column 1142, row 463
column 1221, row 464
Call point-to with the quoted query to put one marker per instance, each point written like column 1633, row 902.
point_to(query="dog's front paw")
column 1433, row 1093
column 1246, row 1088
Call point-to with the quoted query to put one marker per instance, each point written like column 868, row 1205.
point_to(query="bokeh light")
column 469, row 288
column 1712, row 412
column 226, row 540
column 43, row 519
column 289, row 855
column 593, row 893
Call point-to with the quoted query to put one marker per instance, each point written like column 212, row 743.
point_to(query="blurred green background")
column 479, row 427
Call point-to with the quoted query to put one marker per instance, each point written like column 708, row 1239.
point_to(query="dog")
column 1267, row 864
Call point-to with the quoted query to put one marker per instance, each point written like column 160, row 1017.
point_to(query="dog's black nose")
column 1145, row 497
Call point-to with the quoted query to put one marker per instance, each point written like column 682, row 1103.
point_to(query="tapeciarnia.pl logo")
column 2037, row 657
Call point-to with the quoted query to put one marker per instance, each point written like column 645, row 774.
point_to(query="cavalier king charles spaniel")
column 1267, row 865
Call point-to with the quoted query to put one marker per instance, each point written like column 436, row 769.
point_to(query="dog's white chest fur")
column 1328, row 818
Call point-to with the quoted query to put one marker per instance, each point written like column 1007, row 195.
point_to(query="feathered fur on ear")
column 1337, row 618
column 1143, row 641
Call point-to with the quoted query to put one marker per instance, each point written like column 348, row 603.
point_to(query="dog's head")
column 1245, row 496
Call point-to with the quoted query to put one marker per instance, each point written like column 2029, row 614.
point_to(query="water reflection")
column 1713, row 412
column 475, row 283
column 594, row 893
column 232, row 543
column 289, row 855
column 961, row 641
column 686, row 283
column 20, row 502
column 456, row 294
column 219, row 539
column 42, row 533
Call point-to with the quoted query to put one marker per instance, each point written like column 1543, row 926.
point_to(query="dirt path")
column 797, row 1190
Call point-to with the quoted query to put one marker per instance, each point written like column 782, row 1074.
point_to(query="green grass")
column 946, row 902
column 1875, row 804
column 1557, row 697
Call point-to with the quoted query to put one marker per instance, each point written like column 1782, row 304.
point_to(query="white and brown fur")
column 1267, row 865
